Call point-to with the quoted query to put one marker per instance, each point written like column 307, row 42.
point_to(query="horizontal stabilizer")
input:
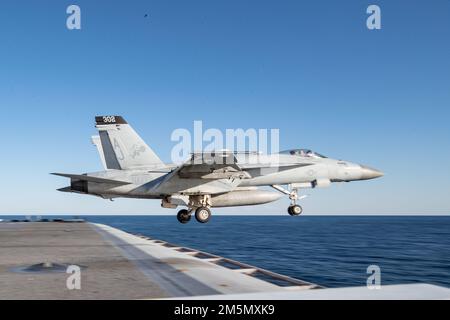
column 65, row 189
column 84, row 177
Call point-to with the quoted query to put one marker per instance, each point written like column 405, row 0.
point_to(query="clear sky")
column 310, row 68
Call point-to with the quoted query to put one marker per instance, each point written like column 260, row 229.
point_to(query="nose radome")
column 370, row 173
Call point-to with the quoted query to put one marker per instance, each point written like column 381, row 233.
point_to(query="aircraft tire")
column 203, row 214
column 295, row 210
column 183, row 216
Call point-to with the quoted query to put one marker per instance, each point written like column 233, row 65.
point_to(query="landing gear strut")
column 201, row 204
column 294, row 209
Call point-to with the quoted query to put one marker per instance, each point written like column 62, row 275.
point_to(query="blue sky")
column 310, row 68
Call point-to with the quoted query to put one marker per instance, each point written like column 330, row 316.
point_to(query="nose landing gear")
column 294, row 209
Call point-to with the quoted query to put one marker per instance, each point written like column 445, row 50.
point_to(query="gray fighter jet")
column 206, row 180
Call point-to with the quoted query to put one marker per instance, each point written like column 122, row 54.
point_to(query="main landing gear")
column 184, row 216
column 202, row 215
column 201, row 205
column 294, row 209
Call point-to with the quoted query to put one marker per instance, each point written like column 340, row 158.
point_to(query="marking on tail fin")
column 119, row 153
column 104, row 120
column 137, row 150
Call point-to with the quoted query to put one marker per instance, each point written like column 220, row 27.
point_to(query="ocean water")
column 332, row 251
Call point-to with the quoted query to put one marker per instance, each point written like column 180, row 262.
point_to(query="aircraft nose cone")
column 370, row 173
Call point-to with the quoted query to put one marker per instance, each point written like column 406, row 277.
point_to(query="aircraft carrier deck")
column 34, row 257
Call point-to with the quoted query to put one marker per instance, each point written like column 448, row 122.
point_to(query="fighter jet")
column 207, row 179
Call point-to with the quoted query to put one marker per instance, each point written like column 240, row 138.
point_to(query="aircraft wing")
column 204, row 173
column 84, row 177
column 216, row 165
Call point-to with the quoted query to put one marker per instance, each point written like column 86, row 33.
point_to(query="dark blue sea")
column 332, row 251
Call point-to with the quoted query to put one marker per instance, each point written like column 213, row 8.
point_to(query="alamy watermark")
column 374, row 20
column 73, row 281
column 73, row 21
column 215, row 143
column 374, row 279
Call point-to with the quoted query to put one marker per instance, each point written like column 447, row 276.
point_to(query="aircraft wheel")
column 183, row 216
column 295, row 210
column 203, row 214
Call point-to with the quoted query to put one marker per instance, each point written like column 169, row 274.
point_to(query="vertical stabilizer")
column 98, row 144
column 122, row 147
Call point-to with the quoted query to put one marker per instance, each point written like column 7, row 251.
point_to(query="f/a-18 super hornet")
column 206, row 179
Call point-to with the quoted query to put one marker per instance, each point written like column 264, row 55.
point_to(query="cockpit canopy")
column 303, row 153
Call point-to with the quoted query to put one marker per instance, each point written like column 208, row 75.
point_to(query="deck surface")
column 107, row 274
column 114, row 265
